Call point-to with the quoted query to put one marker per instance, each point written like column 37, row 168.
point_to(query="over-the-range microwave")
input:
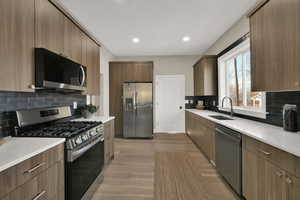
column 53, row 71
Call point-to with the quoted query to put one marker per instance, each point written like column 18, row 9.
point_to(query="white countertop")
column 18, row 149
column 269, row 134
column 102, row 119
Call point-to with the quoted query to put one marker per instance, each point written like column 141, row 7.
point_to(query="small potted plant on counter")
column 88, row 111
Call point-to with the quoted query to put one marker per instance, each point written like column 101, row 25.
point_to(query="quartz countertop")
column 18, row 149
column 269, row 134
column 102, row 119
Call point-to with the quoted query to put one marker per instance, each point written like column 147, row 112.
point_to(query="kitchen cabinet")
column 268, row 173
column 49, row 27
column 72, row 41
column 120, row 72
column 275, row 46
column 205, row 76
column 17, row 45
column 40, row 176
column 202, row 133
column 109, row 134
column 93, row 67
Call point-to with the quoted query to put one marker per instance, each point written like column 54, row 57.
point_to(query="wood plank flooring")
column 169, row 167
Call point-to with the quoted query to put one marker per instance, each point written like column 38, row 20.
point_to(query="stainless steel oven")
column 229, row 157
column 83, row 166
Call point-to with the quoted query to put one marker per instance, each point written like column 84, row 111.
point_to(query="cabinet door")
column 93, row 68
column 275, row 46
column 16, row 45
column 292, row 187
column 112, row 135
column 107, row 141
column 254, row 173
column 84, row 39
column 261, row 179
column 197, row 80
column 49, row 27
column 72, row 41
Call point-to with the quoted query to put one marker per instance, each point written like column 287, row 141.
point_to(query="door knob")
column 180, row 107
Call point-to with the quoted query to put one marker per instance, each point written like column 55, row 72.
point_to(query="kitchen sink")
column 220, row 117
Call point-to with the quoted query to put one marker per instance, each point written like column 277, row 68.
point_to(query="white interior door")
column 170, row 104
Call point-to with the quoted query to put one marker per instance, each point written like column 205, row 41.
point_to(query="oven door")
column 83, row 167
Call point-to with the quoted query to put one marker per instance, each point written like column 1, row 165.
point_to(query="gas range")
column 84, row 146
column 77, row 133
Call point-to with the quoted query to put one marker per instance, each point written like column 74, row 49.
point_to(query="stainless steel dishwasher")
column 229, row 156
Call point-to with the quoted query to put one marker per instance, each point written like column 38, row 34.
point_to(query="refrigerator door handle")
column 135, row 102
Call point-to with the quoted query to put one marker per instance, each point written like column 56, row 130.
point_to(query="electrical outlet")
column 75, row 105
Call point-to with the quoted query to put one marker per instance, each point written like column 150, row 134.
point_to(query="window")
column 235, row 82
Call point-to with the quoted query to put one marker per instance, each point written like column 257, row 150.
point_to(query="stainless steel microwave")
column 53, row 71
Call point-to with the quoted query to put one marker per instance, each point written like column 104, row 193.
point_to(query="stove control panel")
column 85, row 137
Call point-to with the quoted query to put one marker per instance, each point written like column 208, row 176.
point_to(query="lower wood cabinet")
column 40, row 177
column 109, row 134
column 202, row 132
column 266, row 179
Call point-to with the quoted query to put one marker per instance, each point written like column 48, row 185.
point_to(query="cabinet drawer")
column 44, row 186
column 278, row 157
column 37, row 164
column 8, row 181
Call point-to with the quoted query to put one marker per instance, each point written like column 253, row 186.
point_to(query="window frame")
column 239, row 48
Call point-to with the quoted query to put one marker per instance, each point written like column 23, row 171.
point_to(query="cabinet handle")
column 34, row 168
column 289, row 180
column 279, row 174
column 39, row 195
column 264, row 152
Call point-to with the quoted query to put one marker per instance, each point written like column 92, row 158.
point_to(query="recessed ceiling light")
column 186, row 39
column 135, row 40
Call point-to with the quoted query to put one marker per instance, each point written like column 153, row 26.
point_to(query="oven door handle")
column 76, row 154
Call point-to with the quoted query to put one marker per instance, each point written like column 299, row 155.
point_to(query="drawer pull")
column 39, row 195
column 265, row 152
column 279, row 174
column 34, row 168
column 289, row 181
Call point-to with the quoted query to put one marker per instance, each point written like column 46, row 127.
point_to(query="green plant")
column 89, row 108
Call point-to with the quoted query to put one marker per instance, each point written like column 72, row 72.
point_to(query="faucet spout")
column 231, row 106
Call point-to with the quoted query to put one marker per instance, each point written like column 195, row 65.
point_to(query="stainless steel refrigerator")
column 137, row 110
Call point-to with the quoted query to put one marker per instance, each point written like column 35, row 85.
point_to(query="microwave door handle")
column 83, row 76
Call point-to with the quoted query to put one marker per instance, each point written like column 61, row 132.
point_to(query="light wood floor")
column 170, row 167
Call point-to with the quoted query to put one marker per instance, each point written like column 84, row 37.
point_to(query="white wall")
column 238, row 30
column 170, row 65
column 105, row 58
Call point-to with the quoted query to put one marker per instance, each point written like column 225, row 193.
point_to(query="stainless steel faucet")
column 231, row 107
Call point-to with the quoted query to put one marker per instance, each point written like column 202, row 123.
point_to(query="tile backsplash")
column 12, row 101
column 274, row 104
column 208, row 101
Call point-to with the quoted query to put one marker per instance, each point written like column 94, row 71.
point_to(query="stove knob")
column 78, row 140
column 85, row 137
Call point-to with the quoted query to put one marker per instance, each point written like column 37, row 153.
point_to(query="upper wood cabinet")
column 275, row 46
column 49, row 27
column 93, row 67
column 72, row 41
column 205, row 76
column 16, row 45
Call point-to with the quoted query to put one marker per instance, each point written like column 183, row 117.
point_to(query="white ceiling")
column 160, row 24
